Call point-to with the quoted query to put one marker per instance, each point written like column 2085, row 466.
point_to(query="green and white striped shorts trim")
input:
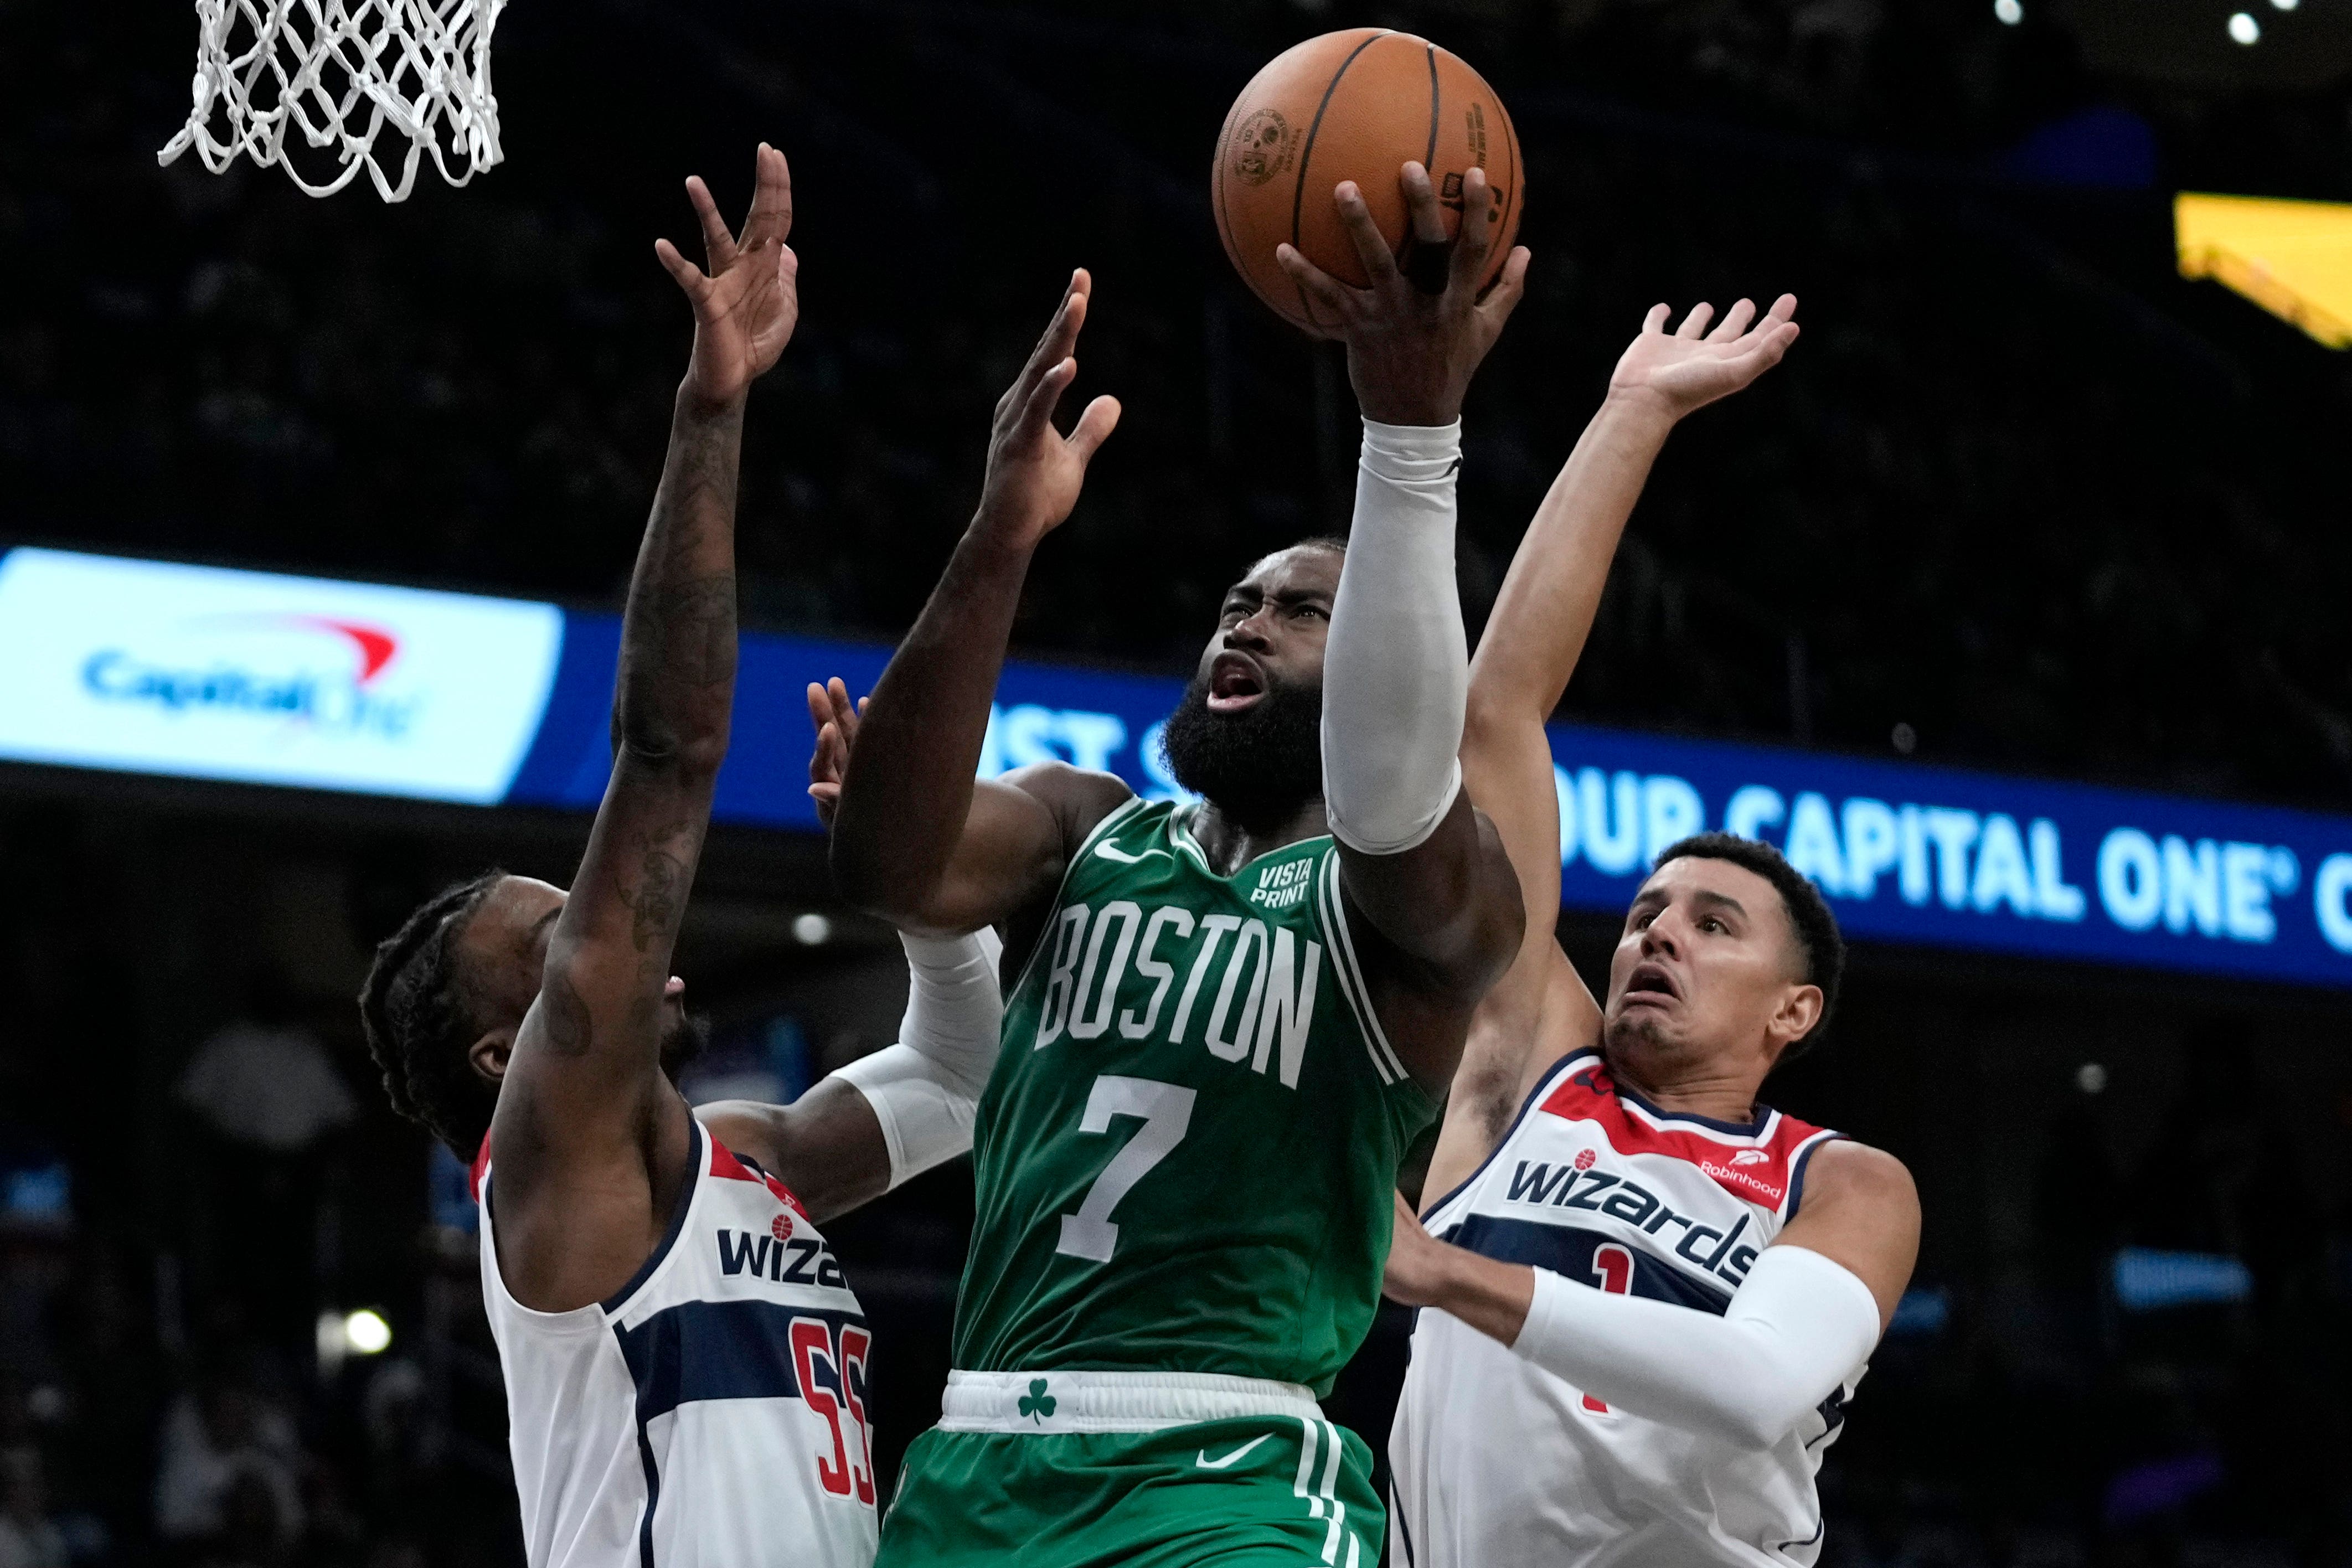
column 1043, row 1403
column 1318, row 1484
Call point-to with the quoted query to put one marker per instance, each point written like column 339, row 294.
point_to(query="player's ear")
column 488, row 1056
column 1800, row 1010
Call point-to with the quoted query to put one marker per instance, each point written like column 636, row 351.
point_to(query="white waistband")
column 1044, row 1402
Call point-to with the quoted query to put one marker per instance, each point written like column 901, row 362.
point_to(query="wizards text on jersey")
column 1684, row 1203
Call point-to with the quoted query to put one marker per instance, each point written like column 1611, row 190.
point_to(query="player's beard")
column 1258, row 766
column 1622, row 1034
column 1642, row 1035
column 683, row 1042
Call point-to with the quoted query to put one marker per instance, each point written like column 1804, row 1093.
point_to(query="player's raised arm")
column 589, row 1139
column 916, row 839
column 1428, row 873
column 1522, row 667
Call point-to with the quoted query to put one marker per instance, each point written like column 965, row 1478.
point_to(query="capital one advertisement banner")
column 190, row 671
column 1907, row 853
column 232, row 675
column 1943, row 857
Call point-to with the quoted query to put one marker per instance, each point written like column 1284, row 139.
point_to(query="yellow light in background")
column 2293, row 258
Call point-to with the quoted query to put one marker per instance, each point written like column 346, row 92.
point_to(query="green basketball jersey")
column 1185, row 1156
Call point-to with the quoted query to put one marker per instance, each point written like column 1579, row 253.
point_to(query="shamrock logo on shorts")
column 1037, row 1403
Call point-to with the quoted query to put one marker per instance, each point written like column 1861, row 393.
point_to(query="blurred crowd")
column 2041, row 1412
column 2020, row 497
column 230, row 1452
column 171, row 1392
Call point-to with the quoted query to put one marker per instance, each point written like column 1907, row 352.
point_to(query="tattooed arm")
column 589, row 1142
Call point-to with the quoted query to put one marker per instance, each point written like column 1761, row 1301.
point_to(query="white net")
column 311, row 84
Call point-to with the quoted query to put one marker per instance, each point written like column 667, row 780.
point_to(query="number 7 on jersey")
column 1167, row 1110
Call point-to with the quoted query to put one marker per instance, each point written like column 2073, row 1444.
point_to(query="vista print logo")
column 324, row 677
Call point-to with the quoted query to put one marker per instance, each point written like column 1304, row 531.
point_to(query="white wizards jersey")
column 1497, row 1461
column 713, row 1413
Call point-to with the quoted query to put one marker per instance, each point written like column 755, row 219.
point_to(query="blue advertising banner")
column 1944, row 857
column 1907, row 853
column 1092, row 718
column 142, row 667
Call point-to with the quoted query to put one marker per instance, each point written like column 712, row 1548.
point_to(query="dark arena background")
column 2031, row 530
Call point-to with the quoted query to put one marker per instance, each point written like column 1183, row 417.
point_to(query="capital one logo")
column 322, row 673
column 204, row 672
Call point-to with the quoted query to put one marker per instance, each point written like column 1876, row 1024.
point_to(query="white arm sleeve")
column 924, row 1089
column 1795, row 1330
column 1396, row 673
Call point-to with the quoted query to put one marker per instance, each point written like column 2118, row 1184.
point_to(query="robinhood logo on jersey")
column 318, row 670
column 1748, row 1183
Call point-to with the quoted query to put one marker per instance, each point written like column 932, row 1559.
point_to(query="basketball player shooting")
column 1643, row 1344
column 684, row 1364
column 1230, row 1017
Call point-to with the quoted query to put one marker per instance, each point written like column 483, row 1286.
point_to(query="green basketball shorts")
column 1075, row 1469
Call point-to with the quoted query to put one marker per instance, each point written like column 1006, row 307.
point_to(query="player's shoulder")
column 1079, row 798
column 1845, row 1173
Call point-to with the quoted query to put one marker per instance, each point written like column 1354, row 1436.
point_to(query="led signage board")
column 1908, row 853
column 192, row 670
column 233, row 675
column 1092, row 718
column 1944, row 857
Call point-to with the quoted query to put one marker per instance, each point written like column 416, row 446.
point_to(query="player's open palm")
column 1036, row 472
column 746, row 305
column 834, row 718
column 1690, row 367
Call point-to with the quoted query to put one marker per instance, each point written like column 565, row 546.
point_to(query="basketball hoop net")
column 340, row 72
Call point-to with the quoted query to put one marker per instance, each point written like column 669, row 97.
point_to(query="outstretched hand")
column 1036, row 472
column 1686, row 371
column 746, row 306
column 1411, row 352
column 836, row 719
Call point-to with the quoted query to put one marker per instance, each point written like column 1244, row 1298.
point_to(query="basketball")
column 1354, row 105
